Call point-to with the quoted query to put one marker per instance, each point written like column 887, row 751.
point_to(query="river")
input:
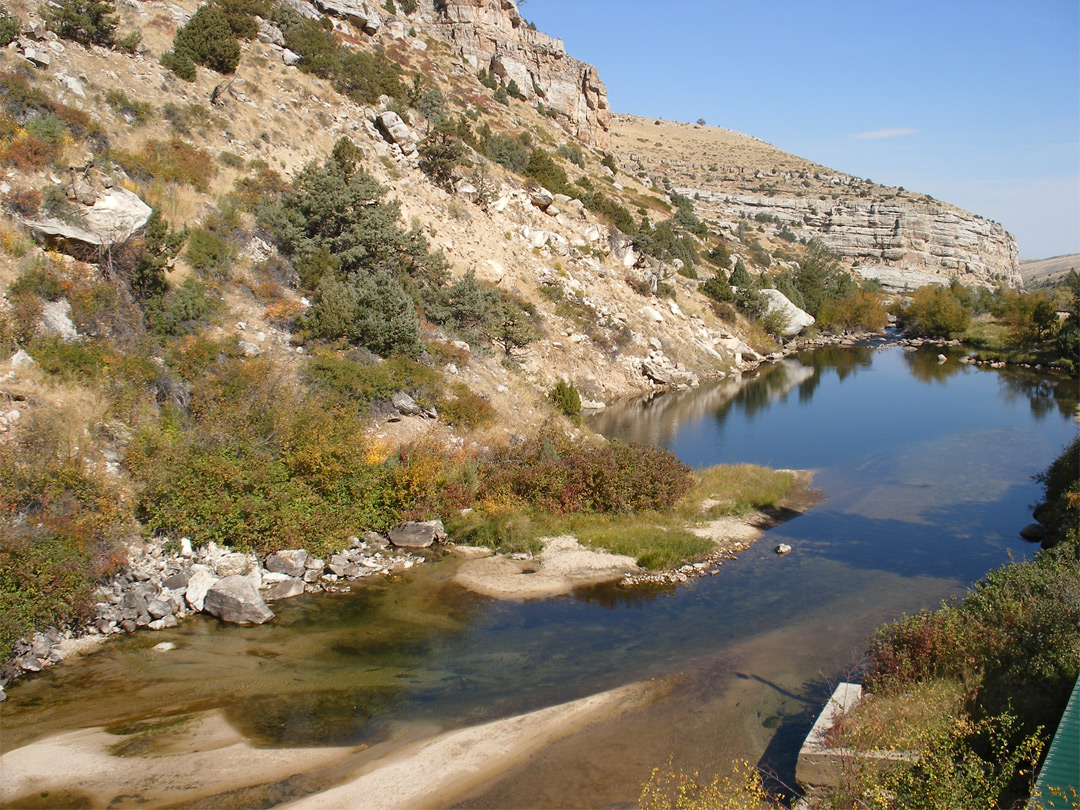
column 927, row 471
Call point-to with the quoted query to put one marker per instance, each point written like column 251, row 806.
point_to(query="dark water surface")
column 927, row 471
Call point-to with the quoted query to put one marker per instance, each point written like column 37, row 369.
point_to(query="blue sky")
column 976, row 104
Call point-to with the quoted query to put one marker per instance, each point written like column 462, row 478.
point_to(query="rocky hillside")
column 901, row 237
column 615, row 320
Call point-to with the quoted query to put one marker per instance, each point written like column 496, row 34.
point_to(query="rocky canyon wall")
column 917, row 238
column 492, row 35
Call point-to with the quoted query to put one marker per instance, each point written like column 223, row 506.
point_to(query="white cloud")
column 877, row 134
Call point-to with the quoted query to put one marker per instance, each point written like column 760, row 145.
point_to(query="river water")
column 927, row 471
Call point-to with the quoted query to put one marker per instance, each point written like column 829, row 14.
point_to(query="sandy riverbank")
column 205, row 761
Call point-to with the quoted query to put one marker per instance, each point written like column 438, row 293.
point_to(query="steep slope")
column 892, row 234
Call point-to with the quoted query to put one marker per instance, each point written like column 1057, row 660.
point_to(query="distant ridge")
column 1037, row 272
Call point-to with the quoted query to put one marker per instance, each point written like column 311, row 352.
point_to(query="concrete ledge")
column 822, row 763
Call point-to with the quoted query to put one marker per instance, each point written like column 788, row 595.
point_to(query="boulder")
column 782, row 549
column 304, row 9
column 405, row 405
column 417, row 534
column 541, row 198
column 178, row 581
column 291, row 562
column 114, row 217
column 359, row 13
column 287, row 589
column 234, row 600
column 660, row 370
column 270, row 34
column 394, row 130
column 229, row 565
column 1035, row 532
column 795, row 319
column 202, row 578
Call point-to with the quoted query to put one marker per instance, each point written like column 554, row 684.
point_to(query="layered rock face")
column 927, row 239
column 738, row 182
column 491, row 34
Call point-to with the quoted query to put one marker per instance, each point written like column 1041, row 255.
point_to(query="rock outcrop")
column 931, row 239
column 492, row 35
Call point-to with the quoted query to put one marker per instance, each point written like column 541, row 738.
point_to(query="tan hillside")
column 1039, row 272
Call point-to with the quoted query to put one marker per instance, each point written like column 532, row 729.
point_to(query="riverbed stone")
column 287, row 589
column 290, row 562
column 1034, row 532
column 234, row 600
column 177, row 582
column 417, row 534
column 230, row 565
column 201, row 580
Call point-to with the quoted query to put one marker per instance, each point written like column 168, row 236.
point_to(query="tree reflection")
column 1044, row 393
column 925, row 366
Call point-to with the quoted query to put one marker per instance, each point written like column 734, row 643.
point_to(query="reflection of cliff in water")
column 657, row 418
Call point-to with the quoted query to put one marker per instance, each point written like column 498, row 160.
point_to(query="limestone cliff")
column 740, row 183
column 492, row 35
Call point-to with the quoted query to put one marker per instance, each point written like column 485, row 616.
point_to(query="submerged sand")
column 206, row 760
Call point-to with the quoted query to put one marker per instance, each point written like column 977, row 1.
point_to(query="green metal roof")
column 1058, row 785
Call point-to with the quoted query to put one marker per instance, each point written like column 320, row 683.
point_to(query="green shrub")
column 181, row 311
column 157, row 248
column 357, row 382
column 140, row 112
column 553, row 474
column 440, row 153
column 544, row 170
column 507, row 150
column 206, row 39
column 564, row 396
column 573, row 153
column 10, row 27
column 935, row 311
column 62, row 529
column 40, row 279
column 465, row 408
column 129, row 43
column 89, row 22
column 208, row 254
column 256, row 466
column 179, row 63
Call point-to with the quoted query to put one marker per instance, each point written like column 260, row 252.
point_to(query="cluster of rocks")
column 707, row 567
column 159, row 587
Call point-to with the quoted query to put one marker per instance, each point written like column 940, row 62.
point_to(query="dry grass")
column 902, row 721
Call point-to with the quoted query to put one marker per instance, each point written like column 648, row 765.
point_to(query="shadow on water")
column 779, row 761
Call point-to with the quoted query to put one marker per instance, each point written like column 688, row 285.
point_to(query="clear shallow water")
column 927, row 470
